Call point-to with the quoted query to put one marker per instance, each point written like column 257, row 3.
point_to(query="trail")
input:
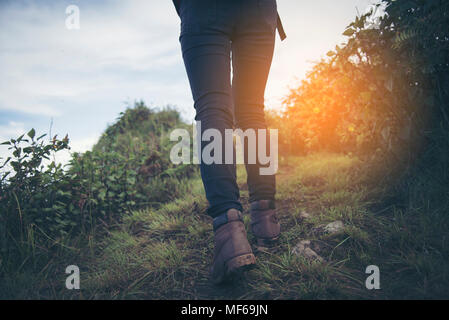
column 166, row 253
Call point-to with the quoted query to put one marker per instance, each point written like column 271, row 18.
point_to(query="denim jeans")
column 213, row 31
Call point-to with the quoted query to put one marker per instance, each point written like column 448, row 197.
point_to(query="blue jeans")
column 212, row 31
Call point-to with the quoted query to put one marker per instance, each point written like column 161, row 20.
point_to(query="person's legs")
column 207, row 29
column 252, row 52
column 205, row 40
column 206, row 51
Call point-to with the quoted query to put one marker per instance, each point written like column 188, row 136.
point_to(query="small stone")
column 303, row 249
column 334, row 227
column 304, row 215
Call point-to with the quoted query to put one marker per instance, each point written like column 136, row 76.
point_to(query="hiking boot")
column 233, row 253
column 264, row 223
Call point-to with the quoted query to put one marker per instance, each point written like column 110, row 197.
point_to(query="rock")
column 334, row 227
column 304, row 215
column 303, row 249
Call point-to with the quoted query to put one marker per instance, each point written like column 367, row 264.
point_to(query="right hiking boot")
column 233, row 253
column 264, row 223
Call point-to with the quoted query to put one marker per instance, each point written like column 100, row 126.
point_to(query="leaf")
column 331, row 54
column 17, row 152
column 131, row 180
column 102, row 195
column 349, row 32
column 5, row 163
column 31, row 133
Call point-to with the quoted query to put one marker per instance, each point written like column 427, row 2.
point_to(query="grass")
column 165, row 253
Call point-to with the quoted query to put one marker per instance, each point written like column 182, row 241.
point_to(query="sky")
column 77, row 81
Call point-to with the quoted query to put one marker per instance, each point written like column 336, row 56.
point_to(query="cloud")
column 16, row 129
column 79, row 145
column 7, row 131
column 12, row 129
column 127, row 50
column 41, row 60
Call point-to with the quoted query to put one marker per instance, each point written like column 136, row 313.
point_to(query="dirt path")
column 166, row 253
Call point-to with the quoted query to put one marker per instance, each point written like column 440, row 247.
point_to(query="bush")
column 33, row 197
column 382, row 93
column 129, row 168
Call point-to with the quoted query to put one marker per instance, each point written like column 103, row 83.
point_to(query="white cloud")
column 11, row 130
column 7, row 131
column 78, row 145
column 127, row 50
column 40, row 59
column 15, row 129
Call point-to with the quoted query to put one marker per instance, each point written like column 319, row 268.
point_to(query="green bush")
column 33, row 197
column 129, row 168
column 382, row 93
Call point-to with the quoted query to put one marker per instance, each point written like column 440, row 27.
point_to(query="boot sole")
column 235, row 268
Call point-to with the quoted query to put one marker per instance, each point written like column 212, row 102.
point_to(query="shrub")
column 33, row 197
column 129, row 168
column 382, row 93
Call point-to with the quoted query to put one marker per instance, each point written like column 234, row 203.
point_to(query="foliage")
column 43, row 205
column 129, row 167
column 383, row 92
column 33, row 199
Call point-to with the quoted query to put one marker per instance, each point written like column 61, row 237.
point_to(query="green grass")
column 165, row 253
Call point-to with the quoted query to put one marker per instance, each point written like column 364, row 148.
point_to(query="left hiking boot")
column 232, row 254
column 264, row 223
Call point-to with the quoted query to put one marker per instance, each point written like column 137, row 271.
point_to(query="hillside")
column 363, row 184
column 165, row 252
